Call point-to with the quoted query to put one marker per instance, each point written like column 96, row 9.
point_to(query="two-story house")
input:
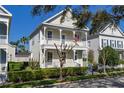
column 53, row 31
column 107, row 35
column 5, row 20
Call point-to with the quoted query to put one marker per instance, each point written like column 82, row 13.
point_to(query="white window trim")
column 51, row 35
column 48, row 58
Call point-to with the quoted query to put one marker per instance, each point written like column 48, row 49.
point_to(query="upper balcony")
column 49, row 36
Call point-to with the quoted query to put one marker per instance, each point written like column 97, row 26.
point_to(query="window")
column 49, row 57
column 76, row 56
column 113, row 43
column 84, row 59
column 104, row 42
column 119, row 44
column 63, row 39
column 49, row 35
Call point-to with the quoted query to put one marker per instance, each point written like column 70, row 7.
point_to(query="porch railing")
column 66, row 41
column 3, row 39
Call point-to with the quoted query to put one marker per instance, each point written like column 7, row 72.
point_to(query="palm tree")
column 24, row 40
column 16, row 44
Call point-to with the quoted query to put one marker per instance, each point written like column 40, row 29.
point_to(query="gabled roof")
column 107, row 25
column 53, row 17
column 4, row 11
column 47, row 22
column 102, row 29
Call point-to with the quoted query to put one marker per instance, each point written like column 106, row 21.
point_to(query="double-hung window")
column 113, row 43
column 49, row 57
column 119, row 44
column 76, row 56
column 49, row 35
column 63, row 39
column 104, row 42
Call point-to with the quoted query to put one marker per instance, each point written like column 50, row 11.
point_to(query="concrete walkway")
column 117, row 82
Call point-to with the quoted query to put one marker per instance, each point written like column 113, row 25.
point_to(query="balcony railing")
column 51, row 41
column 3, row 39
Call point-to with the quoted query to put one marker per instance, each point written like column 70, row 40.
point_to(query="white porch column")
column 73, row 34
column 44, row 57
column 74, row 55
column 60, row 30
column 86, row 39
column 86, row 57
column 7, row 33
column 82, row 59
column 6, row 65
column 44, row 30
column 41, row 58
column 41, row 37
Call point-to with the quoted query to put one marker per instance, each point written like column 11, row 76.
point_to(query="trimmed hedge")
column 15, row 66
column 110, row 70
column 22, row 76
column 37, row 83
column 19, row 66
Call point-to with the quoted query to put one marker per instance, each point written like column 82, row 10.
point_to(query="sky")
column 23, row 23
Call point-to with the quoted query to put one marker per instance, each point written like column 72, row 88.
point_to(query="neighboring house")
column 52, row 31
column 5, row 21
column 17, row 57
column 107, row 35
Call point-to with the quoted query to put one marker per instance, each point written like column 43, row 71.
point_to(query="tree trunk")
column 61, row 76
column 104, row 67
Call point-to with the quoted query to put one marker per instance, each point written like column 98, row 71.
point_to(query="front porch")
column 50, row 59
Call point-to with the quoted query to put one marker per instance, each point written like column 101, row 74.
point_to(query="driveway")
column 116, row 82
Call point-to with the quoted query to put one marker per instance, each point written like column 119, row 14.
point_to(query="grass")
column 29, row 84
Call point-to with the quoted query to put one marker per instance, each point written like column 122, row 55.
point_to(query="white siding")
column 112, row 31
column 94, row 45
column 11, row 53
column 35, row 48
column 110, row 38
column 67, row 22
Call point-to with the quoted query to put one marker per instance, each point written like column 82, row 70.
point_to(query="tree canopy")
column 110, row 56
column 84, row 16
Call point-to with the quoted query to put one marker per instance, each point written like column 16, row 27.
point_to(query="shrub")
column 109, row 56
column 121, row 62
column 15, row 66
column 50, row 72
column 18, row 76
column 44, row 73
